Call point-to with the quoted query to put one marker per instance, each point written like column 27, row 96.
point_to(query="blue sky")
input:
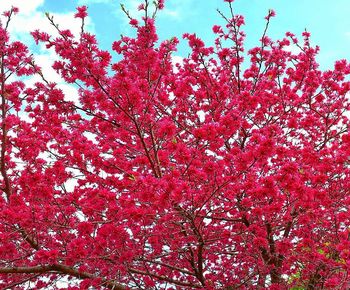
column 328, row 22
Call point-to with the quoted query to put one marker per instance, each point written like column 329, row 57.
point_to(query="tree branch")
column 60, row 269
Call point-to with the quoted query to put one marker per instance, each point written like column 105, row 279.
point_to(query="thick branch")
column 7, row 187
column 60, row 269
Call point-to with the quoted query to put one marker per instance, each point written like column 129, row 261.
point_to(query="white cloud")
column 176, row 59
column 30, row 18
column 22, row 24
column 26, row 7
column 70, row 92
column 45, row 61
column 294, row 49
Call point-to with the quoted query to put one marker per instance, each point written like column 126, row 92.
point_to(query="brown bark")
column 60, row 269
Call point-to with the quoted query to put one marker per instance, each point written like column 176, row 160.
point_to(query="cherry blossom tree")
column 229, row 170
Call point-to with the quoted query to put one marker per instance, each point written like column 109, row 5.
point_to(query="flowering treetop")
column 203, row 175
